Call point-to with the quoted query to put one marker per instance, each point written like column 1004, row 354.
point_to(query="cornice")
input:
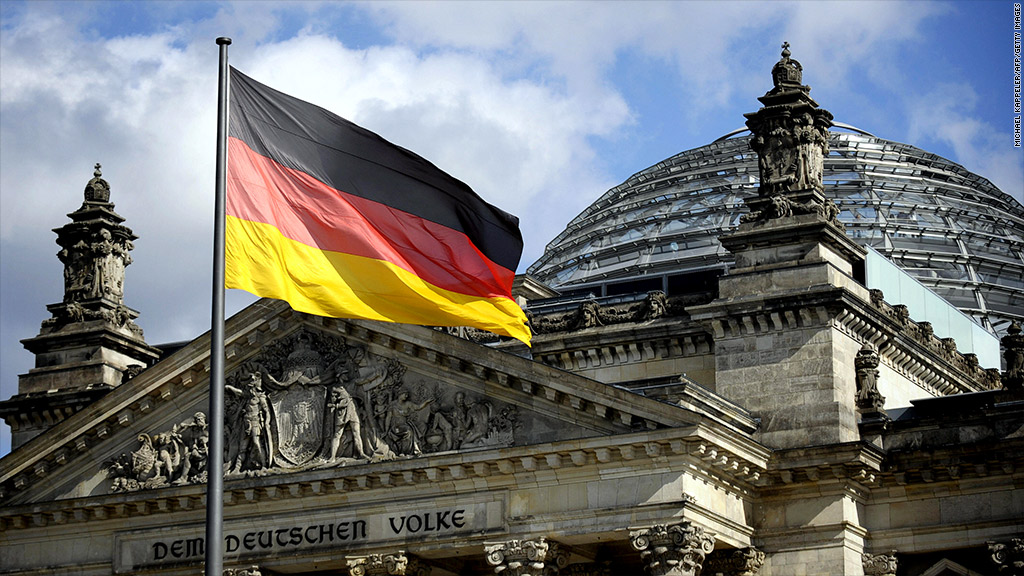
column 707, row 455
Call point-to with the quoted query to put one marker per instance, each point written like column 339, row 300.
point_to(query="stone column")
column 520, row 557
column 739, row 562
column 673, row 550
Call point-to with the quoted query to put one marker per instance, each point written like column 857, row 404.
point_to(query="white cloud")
column 947, row 115
column 514, row 141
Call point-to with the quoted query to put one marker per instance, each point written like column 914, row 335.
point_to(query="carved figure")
column 144, row 460
column 344, row 419
column 177, row 456
column 103, row 266
column 363, row 379
column 193, row 436
column 462, row 426
column 254, row 443
column 169, row 454
column 588, row 315
column 400, row 424
column 790, row 137
column 866, row 362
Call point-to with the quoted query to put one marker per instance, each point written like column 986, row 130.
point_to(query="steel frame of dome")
column 952, row 230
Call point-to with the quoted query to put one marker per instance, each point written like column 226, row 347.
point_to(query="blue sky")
column 539, row 106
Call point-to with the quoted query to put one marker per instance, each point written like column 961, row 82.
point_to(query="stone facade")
column 788, row 422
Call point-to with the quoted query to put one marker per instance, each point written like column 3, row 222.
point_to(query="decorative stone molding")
column 633, row 449
column 379, row 565
column 673, row 550
column 922, row 332
column 1008, row 557
column 518, row 557
column 869, row 400
column 739, row 562
column 592, row 312
column 879, row 564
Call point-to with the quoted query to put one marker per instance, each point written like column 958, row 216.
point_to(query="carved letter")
column 442, row 520
column 459, row 518
column 401, row 525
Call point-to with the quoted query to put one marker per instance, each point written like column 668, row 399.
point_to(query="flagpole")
column 215, row 460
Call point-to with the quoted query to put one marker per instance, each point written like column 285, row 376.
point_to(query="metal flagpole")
column 215, row 460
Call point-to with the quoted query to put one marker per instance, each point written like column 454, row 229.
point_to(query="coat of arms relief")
column 311, row 401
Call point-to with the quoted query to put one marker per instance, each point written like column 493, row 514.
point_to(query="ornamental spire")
column 91, row 342
column 790, row 137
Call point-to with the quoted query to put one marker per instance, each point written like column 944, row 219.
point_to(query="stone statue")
column 371, row 383
column 253, row 444
column 344, row 421
column 1013, row 353
column 868, row 397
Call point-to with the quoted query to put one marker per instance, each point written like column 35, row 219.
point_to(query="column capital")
column 879, row 564
column 378, row 565
column 673, row 550
column 518, row 557
column 1007, row 555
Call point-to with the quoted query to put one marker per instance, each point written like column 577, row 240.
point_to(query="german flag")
column 339, row 222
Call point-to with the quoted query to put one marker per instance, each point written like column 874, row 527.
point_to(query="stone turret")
column 795, row 268
column 91, row 343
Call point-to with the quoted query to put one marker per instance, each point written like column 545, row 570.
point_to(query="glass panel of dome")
column 1011, row 303
column 978, row 244
column 1004, row 277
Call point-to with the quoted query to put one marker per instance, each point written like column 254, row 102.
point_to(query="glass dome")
column 953, row 230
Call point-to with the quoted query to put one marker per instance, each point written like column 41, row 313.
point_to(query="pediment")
column 307, row 395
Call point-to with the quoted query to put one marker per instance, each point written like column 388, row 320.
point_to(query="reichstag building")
column 793, row 352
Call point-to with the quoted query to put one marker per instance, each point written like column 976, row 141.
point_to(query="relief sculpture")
column 311, row 401
column 177, row 456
